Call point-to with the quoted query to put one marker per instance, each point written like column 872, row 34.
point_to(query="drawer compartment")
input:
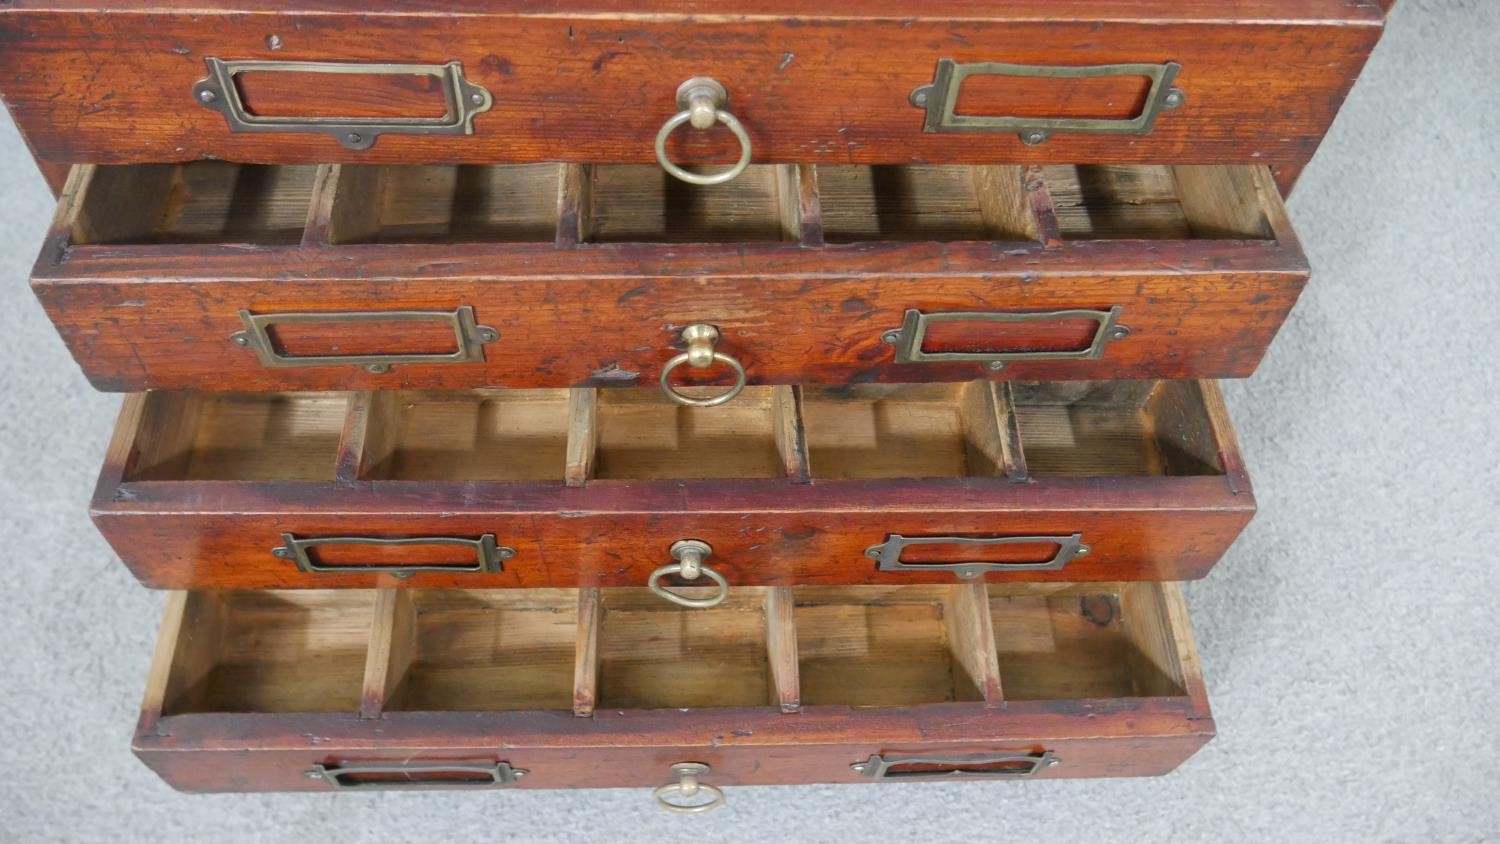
column 269, row 277
column 1006, row 83
column 317, row 690
column 871, row 483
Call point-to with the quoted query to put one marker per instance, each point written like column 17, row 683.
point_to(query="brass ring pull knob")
column 687, row 785
column 689, row 554
column 700, row 354
column 702, row 102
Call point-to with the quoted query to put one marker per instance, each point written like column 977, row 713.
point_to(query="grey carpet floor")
column 1348, row 639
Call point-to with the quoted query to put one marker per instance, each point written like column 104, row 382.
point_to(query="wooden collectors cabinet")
column 496, row 432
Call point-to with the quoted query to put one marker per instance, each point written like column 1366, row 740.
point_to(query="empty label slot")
column 1106, row 641
column 445, row 203
column 924, row 202
column 1156, row 202
column 643, row 435
column 519, row 435
column 643, row 204
column 1114, row 97
column 291, row 93
column 293, row 651
column 239, row 437
column 1116, row 428
column 903, row 431
column 478, row 650
column 200, row 202
column 335, row 338
column 654, row 655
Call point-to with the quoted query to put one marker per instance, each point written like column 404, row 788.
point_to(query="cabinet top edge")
column 788, row 12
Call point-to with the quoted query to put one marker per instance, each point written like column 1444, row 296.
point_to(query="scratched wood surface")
column 593, row 81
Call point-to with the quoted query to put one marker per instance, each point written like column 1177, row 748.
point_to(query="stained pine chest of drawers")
column 679, row 394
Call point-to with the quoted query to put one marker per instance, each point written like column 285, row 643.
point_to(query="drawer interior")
column 657, row 655
column 1156, row 202
column 200, row 202
column 444, row 203
column 925, row 202
column 640, row 434
column 237, row 437
column 270, row 651
column 480, row 650
column 373, row 651
column 642, row 204
column 576, row 205
column 519, row 435
column 979, row 429
column 887, row 648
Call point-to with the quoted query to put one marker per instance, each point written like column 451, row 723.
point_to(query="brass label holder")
column 964, row 767
column 909, row 337
column 469, row 338
column 488, row 555
column 887, row 554
column 437, row 775
column 939, row 99
column 462, row 99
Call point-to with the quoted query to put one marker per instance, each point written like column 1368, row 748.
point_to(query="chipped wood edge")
column 791, row 433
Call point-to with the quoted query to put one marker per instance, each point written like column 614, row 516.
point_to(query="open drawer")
column 318, row 690
column 221, row 276
column 873, row 483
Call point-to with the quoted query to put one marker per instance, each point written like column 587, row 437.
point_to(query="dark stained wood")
column 593, row 81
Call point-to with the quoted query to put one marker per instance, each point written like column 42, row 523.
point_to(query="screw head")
column 240, row 339
column 1120, row 332
column 1174, row 98
column 273, row 41
column 478, row 99
column 1083, row 551
column 995, row 365
column 354, row 138
column 487, row 334
column 206, row 96
column 312, row 775
column 1053, row 762
column 281, row 551
column 920, row 96
column 891, row 337
column 378, row 368
column 873, row 553
column 1034, row 137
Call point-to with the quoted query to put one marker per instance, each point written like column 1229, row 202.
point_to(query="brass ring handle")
column 702, row 102
column 700, row 354
column 687, row 785
column 689, row 554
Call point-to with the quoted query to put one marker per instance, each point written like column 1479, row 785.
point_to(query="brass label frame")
column 462, row 99
column 489, row 556
column 878, row 766
column 939, row 100
column 500, row 774
column 913, row 331
column 469, row 338
column 887, row 555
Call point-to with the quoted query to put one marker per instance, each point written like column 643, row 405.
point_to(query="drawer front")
column 221, row 277
column 893, row 484
column 970, row 83
column 609, row 688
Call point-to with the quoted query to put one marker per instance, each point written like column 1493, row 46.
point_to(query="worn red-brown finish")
column 593, row 80
column 219, row 534
column 273, row 752
column 157, row 317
